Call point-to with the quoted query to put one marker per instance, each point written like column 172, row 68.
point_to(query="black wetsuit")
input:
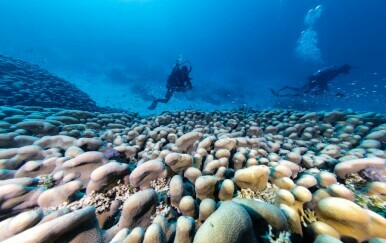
column 178, row 80
column 318, row 82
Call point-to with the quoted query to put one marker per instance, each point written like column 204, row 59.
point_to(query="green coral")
column 46, row 181
column 373, row 203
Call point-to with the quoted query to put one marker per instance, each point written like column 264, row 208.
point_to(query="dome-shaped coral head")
column 345, row 68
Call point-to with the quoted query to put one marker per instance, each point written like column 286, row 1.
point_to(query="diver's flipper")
column 275, row 93
column 153, row 106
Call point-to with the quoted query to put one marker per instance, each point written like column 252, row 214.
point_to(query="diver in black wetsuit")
column 318, row 82
column 178, row 80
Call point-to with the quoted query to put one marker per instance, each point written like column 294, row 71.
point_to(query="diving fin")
column 152, row 106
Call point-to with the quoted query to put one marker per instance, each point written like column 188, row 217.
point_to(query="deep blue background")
column 121, row 51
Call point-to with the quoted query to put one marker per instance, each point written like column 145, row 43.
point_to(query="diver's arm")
column 321, row 73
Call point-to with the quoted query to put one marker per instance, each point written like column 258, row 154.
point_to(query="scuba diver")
column 178, row 80
column 317, row 82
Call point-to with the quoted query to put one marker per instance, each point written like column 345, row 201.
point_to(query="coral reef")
column 22, row 83
column 267, row 195
column 358, row 184
column 283, row 237
column 190, row 176
column 373, row 174
column 46, row 181
column 101, row 201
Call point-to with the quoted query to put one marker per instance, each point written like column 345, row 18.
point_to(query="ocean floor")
column 191, row 176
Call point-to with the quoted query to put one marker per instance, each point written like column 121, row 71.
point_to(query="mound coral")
column 191, row 176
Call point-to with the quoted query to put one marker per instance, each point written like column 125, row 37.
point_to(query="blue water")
column 120, row 52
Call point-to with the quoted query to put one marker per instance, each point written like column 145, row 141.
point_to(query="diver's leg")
column 281, row 89
column 318, row 91
column 290, row 88
column 168, row 95
column 273, row 92
column 279, row 92
column 153, row 105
